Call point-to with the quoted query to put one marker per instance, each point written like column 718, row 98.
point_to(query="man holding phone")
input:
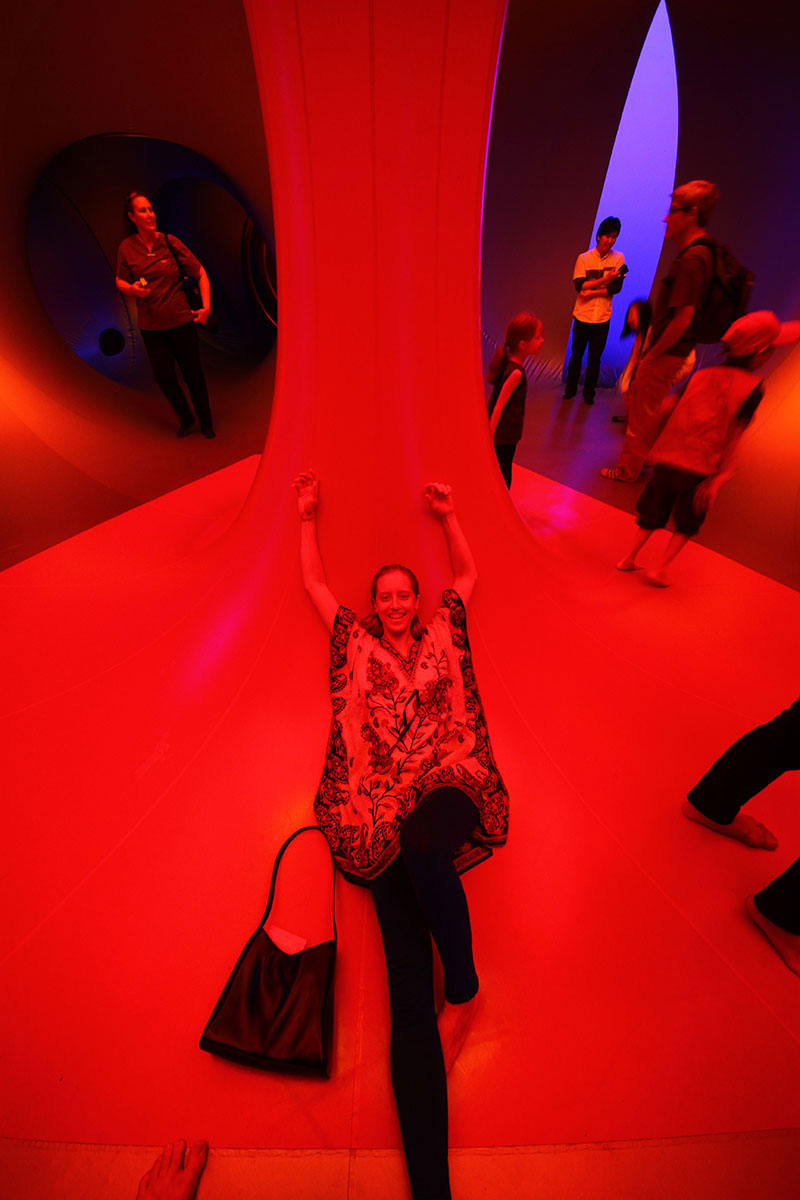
column 598, row 276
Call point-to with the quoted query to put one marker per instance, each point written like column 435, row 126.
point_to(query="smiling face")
column 395, row 602
column 604, row 243
column 142, row 215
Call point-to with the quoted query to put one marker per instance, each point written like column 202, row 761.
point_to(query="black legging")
column 167, row 348
column 745, row 768
column 420, row 895
column 505, row 458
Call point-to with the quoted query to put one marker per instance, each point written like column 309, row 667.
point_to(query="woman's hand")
column 307, row 487
column 200, row 315
column 140, row 288
column 439, row 498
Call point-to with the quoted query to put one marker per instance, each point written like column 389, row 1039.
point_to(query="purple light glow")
column 641, row 172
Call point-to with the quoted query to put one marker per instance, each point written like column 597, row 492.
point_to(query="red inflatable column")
column 377, row 119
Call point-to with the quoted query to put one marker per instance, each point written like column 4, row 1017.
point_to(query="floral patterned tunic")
column 400, row 728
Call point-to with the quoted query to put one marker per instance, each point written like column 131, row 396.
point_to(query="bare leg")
column 787, row 944
column 175, row 1175
column 454, row 1025
column 742, row 828
column 658, row 575
column 628, row 563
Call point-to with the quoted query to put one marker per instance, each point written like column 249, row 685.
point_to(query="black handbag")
column 276, row 1010
column 191, row 288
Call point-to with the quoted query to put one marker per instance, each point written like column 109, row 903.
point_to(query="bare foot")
column 657, row 578
column 787, row 944
column 175, row 1174
column 454, row 1023
column 742, row 828
column 628, row 564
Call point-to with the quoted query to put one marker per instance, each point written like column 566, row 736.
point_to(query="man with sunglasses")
column 670, row 339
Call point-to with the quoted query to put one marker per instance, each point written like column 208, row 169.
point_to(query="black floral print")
column 399, row 729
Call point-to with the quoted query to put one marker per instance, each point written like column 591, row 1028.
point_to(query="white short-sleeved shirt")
column 595, row 308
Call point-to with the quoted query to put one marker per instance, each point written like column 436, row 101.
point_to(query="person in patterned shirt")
column 410, row 791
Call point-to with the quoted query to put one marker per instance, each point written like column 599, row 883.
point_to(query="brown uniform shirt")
column 166, row 306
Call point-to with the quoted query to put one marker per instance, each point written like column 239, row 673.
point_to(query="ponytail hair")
column 372, row 622
column 521, row 328
column 498, row 364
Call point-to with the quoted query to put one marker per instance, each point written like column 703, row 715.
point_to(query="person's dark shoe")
column 208, row 431
column 620, row 420
column 588, row 399
column 185, row 428
column 569, row 395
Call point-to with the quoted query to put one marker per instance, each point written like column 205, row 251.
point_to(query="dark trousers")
column 583, row 335
column 168, row 348
column 747, row 767
column 667, row 492
column 505, row 457
column 419, row 895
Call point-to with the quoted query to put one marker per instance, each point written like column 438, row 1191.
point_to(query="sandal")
column 616, row 474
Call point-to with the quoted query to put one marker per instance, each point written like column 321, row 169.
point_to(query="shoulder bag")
column 276, row 1010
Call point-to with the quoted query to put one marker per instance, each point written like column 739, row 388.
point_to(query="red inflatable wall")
column 166, row 710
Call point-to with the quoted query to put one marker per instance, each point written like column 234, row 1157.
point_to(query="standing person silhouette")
column 510, row 385
column 671, row 337
column 598, row 277
column 147, row 272
column 409, row 780
column 696, row 452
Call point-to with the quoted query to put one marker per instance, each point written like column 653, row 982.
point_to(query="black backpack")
column 726, row 296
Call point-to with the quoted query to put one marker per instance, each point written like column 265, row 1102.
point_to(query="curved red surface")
column 165, row 712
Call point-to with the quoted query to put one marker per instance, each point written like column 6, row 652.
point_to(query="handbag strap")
column 279, row 856
column 181, row 272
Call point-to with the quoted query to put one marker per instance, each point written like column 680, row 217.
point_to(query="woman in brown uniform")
column 148, row 272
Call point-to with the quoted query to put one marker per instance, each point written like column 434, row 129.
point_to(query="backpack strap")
column 178, row 263
column 709, row 244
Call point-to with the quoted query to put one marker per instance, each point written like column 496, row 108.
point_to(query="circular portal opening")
column 76, row 222
column 111, row 342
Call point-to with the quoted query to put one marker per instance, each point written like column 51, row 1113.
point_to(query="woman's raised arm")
column 465, row 573
column 307, row 487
